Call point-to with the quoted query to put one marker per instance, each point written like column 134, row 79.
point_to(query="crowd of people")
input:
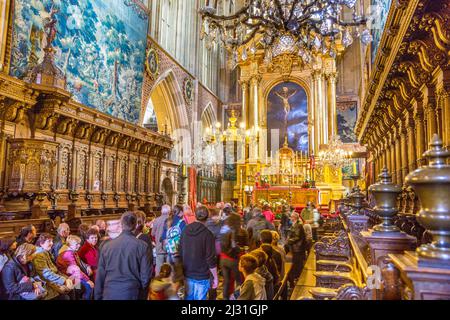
column 179, row 254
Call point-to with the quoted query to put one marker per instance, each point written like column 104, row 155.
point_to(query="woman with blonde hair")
column 71, row 265
column 17, row 275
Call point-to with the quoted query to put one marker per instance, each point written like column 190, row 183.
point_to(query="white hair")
column 165, row 209
column 62, row 226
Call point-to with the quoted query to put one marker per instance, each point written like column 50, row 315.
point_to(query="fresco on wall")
column 287, row 114
column 379, row 14
column 100, row 46
column 347, row 114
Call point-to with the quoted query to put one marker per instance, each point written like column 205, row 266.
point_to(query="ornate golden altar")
column 294, row 195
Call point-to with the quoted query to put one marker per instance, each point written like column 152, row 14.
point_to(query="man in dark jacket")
column 60, row 239
column 124, row 268
column 297, row 245
column 255, row 226
column 198, row 255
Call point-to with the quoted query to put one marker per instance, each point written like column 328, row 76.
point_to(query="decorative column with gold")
column 316, row 76
column 403, row 149
column 253, row 114
column 411, row 139
column 444, row 100
column 430, row 112
column 398, row 154
column 420, row 133
column 332, row 121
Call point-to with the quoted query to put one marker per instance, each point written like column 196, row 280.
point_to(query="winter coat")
column 197, row 251
column 264, row 272
column 297, row 238
column 48, row 272
column 12, row 274
column 89, row 255
column 268, row 214
column 157, row 232
column 253, row 288
column 257, row 224
column 58, row 243
column 124, row 269
column 69, row 263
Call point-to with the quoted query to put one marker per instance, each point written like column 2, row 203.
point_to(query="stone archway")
column 166, row 111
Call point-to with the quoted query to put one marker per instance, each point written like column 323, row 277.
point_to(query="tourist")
column 89, row 253
column 113, row 230
column 157, row 231
column 57, row 284
column 307, row 213
column 214, row 224
column 70, row 264
column 255, row 226
column 247, row 215
column 124, row 268
column 82, row 231
column 63, row 232
column 230, row 252
column 263, row 271
column 17, row 276
column 285, row 223
column 198, row 255
column 253, row 287
column 268, row 214
column 188, row 215
column 102, row 227
column 142, row 234
column 279, row 248
column 162, row 287
column 7, row 248
column 273, row 256
column 27, row 235
column 171, row 237
column 296, row 242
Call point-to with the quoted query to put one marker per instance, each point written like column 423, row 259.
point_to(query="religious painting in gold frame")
column 152, row 63
column 188, row 90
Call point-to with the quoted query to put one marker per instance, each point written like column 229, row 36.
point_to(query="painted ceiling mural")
column 100, row 46
column 287, row 114
column 379, row 14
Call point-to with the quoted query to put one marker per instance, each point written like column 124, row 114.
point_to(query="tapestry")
column 99, row 45
column 287, row 115
column 379, row 14
column 347, row 114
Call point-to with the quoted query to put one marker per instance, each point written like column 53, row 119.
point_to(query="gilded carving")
column 81, row 169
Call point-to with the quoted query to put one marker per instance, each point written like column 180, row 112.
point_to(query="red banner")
column 192, row 201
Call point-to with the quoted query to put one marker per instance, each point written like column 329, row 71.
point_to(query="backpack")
column 173, row 238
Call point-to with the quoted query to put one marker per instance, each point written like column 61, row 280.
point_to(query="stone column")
column 403, row 150
column 420, row 135
column 411, row 139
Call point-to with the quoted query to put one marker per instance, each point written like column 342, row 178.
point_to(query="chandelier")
column 302, row 27
column 335, row 154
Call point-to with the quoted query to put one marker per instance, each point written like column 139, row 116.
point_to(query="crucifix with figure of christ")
column 284, row 95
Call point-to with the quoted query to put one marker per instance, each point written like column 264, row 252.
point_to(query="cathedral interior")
column 115, row 106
